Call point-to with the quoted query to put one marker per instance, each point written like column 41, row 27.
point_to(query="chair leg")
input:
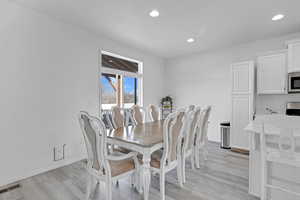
column 197, row 157
column 162, row 185
column 263, row 181
column 205, row 154
column 89, row 186
column 141, row 181
column 136, row 176
column 193, row 159
column 108, row 188
column 183, row 169
column 179, row 173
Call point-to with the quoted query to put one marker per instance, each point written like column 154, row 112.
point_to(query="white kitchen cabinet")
column 293, row 56
column 242, row 109
column 272, row 73
column 242, row 113
column 242, row 77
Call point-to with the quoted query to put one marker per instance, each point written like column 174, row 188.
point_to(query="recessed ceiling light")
column 154, row 13
column 190, row 40
column 277, row 17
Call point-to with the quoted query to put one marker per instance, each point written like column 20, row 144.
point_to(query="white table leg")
column 146, row 174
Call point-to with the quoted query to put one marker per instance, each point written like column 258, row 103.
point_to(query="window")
column 130, row 91
column 109, row 89
column 121, row 81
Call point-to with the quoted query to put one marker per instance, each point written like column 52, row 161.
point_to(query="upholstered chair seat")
column 121, row 150
column 119, row 167
column 155, row 158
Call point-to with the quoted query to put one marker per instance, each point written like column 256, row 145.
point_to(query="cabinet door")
column 294, row 57
column 242, row 77
column 271, row 74
column 242, row 111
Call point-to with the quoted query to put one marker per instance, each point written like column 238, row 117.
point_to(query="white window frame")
column 138, row 75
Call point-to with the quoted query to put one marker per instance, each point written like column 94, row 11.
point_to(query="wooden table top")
column 146, row 135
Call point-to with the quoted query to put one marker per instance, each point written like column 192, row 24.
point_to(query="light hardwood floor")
column 223, row 177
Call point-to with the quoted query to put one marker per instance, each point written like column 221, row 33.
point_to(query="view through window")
column 120, row 82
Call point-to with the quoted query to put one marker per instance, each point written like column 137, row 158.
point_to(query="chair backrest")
column 201, row 134
column 153, row 113
column 137, row 114
column 191, row 107
column 117, row 117
column 94, row 133
column 192, row 127
column 173, row 130
column 282, row 135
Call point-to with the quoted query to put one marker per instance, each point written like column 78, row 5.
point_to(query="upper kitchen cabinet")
column 242, row 75
column 293, row 56
column 272, row 73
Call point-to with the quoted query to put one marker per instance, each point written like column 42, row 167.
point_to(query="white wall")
column 204, row 78
column 48, row 73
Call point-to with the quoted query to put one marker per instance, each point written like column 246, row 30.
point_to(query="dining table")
column 143, row 138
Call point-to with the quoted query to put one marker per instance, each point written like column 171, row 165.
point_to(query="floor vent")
column 9, row 188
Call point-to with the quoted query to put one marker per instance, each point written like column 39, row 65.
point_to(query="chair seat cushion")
column 122, row 150
column 119, row 167
column 155, row 158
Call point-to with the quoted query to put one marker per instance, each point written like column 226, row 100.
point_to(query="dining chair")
column 118, row 121
column 153, row 113
column 106, row 116
column 100, row 165
column 286, row 151
column 191, row 107
column 189, row 150
column 201, row 136
column 117, row 117
column 169, row 158
column 138, row 114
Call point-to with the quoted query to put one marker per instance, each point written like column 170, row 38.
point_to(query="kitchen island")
column 282, row 175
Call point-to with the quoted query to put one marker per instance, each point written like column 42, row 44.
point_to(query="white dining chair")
column 169, row 158
column 107, row 118
column 117, row 117
column 191, row 107
column 284, row 152
column 100, row 165
column 193, row 117
column 118, row 121
column 201, row 150
column 154, row 113
column 138, row 114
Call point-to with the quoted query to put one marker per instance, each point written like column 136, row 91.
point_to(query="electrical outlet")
column 59, row 152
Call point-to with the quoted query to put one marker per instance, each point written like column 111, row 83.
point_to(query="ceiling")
column 213, row 23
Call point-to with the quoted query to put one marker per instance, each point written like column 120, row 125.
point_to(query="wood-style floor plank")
column 224, row 176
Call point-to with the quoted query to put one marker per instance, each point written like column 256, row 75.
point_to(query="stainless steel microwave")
column 294, row 82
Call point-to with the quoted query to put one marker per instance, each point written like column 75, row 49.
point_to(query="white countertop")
column 277, row 122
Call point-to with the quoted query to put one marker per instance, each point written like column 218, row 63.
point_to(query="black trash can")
column 225, row 135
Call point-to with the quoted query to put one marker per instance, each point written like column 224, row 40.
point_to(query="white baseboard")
column 35, row 172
